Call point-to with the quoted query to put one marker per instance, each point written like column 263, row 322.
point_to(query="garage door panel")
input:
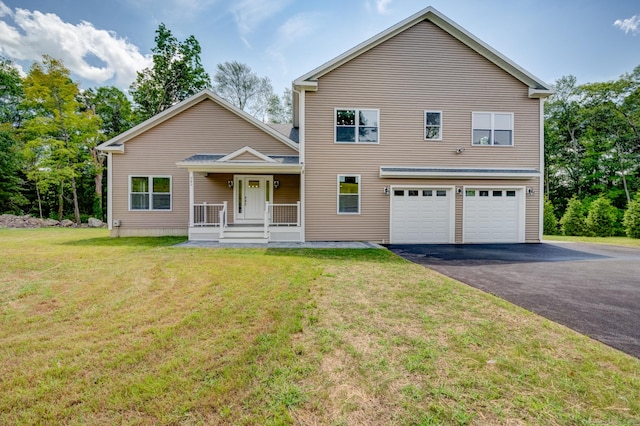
column 421, row 215
column 492, row 215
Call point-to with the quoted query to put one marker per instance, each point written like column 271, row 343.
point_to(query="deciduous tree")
column 176, row 74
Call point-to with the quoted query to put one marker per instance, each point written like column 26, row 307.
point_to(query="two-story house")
column 421, row 134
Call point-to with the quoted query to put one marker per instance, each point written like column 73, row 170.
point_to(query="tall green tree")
column 238, row 84
column 58, row 133
column 11, row 93
column 176, row 74
column 280, row 110
column 116, row 116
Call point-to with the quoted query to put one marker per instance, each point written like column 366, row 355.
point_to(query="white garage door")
column 493, row 215
column 421, row 215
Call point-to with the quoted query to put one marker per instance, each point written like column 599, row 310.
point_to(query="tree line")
column 592, row 152
column 50, row 127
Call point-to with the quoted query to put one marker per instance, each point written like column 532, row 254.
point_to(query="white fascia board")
column 244, row 150
column 118, row 149
column 540, row 93
column 211, row 167
column 445, row 24
column 457, row 174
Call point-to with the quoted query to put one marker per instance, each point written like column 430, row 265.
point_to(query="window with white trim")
column 356, row 125
column 348, row 194
column 492, row 128
column 433, row 125
column 150, row 193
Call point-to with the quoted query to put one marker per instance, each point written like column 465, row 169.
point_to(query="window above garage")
column 492, row 128
column 433, row 125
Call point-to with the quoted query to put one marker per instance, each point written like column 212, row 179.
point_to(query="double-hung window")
column 349, row 194
column 492, row 128
column 150, row 193
column 433, row 125
column 356, row 125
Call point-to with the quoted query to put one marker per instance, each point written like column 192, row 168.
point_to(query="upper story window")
column 433, row 125
column 356, row 125
column 492, row 128
column 150, row 193
column 349, row 194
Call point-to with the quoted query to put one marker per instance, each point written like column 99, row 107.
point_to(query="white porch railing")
column 284, row 214
column 208, row 214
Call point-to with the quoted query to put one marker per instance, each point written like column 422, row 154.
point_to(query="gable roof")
column 537, row 88
column 116, row 144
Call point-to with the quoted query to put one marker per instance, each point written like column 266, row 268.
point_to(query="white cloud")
column 4, row 10
column 249, row 14
column 35, row 34
column 382, row 6
column 630, row 25
column 294, row 30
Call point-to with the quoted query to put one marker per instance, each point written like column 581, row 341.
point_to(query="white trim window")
column 150, row 193
column 354, row 125
column 348, row 194
column 433, row 125
column 492, row 128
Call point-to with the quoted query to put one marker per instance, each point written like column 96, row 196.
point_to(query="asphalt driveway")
column 593, row 289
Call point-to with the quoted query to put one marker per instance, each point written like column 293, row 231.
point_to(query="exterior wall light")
column 530, row 192
column 276, row 184
column 230, row 184
column 386, row 190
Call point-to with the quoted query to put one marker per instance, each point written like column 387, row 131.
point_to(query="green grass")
column 614, row 241
column 96, row 330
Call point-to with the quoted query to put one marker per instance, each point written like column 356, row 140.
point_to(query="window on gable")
column 356, row 125
column 349, row 194
column 150, row 193
column 492, row 128
column 433, row 125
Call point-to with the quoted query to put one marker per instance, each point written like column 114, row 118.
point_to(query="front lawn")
column 96, row 330
column 613, row 241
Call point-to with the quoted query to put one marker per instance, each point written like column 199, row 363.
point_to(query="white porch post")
column 191, row 198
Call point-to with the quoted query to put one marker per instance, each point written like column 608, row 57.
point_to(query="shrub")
column 631, row 219
column 602, row 218
column 573, row 221
column 550, row 221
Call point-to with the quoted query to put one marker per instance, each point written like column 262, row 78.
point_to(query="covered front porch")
column 246, row 200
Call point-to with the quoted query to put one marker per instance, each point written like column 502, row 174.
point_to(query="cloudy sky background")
column 106, row 42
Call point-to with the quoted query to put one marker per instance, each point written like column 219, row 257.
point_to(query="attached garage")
column 493, row 215
column 422, row 215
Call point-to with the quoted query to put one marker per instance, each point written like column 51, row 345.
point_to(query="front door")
column 251, row 195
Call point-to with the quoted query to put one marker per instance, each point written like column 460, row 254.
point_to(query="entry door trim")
column 240, row 187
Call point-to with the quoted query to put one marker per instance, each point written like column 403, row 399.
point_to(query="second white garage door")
column 422, row 215
column 493, row 215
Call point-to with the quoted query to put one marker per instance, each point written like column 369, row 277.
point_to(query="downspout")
column 542, row 165
column 301, row 144
column 110, row 190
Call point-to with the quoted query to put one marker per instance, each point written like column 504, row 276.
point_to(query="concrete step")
column 234, row 241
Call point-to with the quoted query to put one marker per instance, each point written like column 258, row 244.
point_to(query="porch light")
column 230, row 184
column 386, row 190
column 530, row 192
column 276, row 184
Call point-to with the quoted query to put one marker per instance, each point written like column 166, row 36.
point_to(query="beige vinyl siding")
column 289, row 191
column 205, row 128
column 423, row 68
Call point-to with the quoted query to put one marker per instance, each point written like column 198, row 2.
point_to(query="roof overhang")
column 456, row 173
column 239, row 167
column 537, row 88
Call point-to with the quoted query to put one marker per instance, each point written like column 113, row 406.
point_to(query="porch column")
column 191, row 198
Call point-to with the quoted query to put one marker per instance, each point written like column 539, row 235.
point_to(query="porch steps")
column 243, row 235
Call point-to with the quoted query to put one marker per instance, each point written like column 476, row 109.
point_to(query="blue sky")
column 106, row 42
